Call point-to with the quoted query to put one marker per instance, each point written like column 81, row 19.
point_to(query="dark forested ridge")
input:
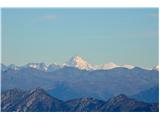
column 38, row 100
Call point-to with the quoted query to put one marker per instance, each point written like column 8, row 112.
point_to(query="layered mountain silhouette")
column 77, row 79
column 38, row 100
column 70, row 83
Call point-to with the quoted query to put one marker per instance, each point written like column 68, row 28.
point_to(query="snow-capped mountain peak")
column 78, row 62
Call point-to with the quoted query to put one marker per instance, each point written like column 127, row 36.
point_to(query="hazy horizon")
column 99, row 35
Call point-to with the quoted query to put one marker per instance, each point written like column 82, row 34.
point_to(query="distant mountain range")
column 38, row 100
column 77, row 79
column 76, row 62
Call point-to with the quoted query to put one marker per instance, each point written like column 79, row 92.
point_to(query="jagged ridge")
column 38, row 100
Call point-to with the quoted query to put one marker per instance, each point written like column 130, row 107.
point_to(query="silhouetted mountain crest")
column 38, row 100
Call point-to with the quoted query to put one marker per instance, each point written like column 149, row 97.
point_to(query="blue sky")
column 122, row 36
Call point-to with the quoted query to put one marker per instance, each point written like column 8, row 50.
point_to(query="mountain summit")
column 78, row 62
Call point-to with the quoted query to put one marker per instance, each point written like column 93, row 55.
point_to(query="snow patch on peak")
column 128, row 66
column 78, row 62
column 38, row 66
column 32, row 65
column 109, row 66
column 156, row 68
column 53, row 67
